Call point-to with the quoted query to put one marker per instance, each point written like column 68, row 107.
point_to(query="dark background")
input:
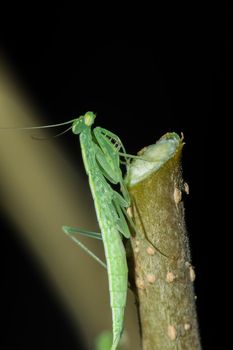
column 144, row 74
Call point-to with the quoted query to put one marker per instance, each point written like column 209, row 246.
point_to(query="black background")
column 144, row 73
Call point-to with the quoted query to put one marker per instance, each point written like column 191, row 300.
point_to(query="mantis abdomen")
column 118, row 279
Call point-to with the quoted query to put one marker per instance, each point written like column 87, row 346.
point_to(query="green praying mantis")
column 101, row 152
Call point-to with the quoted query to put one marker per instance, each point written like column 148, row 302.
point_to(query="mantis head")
column 82, row 122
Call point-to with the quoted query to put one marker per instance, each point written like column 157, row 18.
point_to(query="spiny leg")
column 70, row 231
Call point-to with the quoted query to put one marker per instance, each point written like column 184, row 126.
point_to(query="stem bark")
column 161, row 270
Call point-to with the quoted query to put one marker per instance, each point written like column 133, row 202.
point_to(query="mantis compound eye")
column 89, row 118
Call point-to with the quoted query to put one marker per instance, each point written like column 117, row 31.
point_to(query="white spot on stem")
column 186, row 188
column 170, row 277
column 171, row 332
column 187, row 326
column 151, row 278
column 150, row 251
column 192, row 274
column 177, row 195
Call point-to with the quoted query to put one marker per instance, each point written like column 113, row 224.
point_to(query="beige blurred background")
column 42, row 190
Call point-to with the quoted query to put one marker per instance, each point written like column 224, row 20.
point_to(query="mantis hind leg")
column 71, row 231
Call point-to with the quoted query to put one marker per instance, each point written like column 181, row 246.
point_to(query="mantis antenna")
column 40, row 127
column 41, row 138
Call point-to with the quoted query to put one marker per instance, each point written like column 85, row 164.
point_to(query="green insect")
column 101, row 151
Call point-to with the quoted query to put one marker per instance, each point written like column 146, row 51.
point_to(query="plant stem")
column 163, row 274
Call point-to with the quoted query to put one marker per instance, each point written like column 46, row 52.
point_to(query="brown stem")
column 161, row 258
